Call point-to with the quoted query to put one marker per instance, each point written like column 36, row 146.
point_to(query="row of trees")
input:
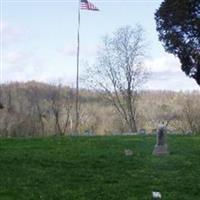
column 35, row 109
column 38, row 109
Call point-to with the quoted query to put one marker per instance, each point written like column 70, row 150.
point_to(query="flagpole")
column 77, row 71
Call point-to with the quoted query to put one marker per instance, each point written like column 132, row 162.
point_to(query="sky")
column 39, row 39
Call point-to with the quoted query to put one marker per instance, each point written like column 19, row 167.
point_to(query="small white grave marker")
column 128, row 152
column 156, row 195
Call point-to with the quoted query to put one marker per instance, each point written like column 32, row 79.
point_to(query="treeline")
column 39, row 109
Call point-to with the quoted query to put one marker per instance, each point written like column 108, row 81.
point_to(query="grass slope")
column 95, row 168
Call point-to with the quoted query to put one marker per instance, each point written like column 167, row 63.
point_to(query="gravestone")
column 142, row 131
column 88, row 132
column 189, row 132
column 156, row 195
column 128, row 152
column 161, row 147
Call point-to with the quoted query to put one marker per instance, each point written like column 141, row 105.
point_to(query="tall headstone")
column 161, row 147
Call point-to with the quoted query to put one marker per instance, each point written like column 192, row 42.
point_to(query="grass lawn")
column 95, row 168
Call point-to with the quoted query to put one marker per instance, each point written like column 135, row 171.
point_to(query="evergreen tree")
column 178, row 24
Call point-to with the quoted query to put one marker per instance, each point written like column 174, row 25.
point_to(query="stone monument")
column 161, row 147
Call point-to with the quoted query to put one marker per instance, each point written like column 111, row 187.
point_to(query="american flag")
column 86, row 5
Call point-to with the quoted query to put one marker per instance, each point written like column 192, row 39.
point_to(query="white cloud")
column 2, row 27
column 11, row 34
column 24, row 66
column 167, row 74
column 13, row 57
column 166, row 62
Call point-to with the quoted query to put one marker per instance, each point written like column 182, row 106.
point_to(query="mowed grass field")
column 95, row 168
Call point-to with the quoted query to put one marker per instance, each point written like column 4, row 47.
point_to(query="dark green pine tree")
column 178, row 24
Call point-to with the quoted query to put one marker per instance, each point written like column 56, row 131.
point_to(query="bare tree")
column 36, row 108
column 61, row 105
column 191, row 112
column 119, row 71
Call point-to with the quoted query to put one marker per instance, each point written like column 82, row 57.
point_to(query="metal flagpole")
column 77, row 72
column 1, row 55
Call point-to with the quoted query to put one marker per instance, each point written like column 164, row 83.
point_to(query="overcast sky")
column 38, row 40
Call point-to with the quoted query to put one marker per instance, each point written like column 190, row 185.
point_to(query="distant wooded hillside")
column 39, row 109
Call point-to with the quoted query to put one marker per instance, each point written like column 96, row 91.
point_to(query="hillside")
column 88, row 168
column 39, row 109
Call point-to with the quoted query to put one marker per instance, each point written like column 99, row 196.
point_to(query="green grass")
column 94, row 168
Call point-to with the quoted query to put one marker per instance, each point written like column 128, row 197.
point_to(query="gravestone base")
column 160, row 150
